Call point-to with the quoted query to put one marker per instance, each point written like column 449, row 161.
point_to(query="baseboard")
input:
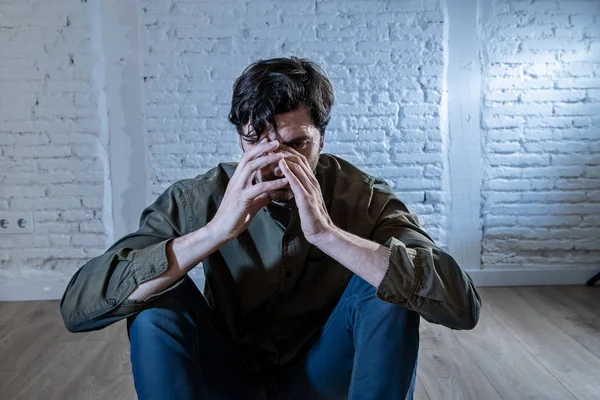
column 25, row 290
column 532, row 277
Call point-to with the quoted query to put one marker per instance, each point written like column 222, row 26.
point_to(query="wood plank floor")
column 531, row 343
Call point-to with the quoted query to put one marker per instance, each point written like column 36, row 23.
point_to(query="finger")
column 262, row 148
column 301, row 156
column 256, row 164
column 259, row 202
column 295, row 184
column 306, row 169
column 300, row 173
column 265, row 187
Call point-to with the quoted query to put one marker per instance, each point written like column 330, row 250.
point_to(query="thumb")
column 259, row 202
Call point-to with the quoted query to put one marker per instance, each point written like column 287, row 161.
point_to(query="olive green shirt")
column 272, row 290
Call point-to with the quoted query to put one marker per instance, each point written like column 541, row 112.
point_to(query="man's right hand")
column 243, row 199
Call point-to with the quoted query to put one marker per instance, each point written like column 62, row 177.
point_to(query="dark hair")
column 277, row 86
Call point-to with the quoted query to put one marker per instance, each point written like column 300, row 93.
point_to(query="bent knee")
column 157, row 316
column 390, row 313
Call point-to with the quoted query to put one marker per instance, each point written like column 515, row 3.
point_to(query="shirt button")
column 288, row 274
column 112, row 301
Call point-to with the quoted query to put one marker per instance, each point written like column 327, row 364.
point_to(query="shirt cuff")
column 403, row 276
column 150, row 262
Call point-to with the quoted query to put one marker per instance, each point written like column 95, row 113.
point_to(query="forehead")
column 292, row 124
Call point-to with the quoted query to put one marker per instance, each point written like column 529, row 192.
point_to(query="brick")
column 519, row 109
column 505, row 147
column 584, row 109
column 549, row 220
column 524, row 32
column 10, row 191
column 519, row 159
column 580, row 7
column 94, row 226
column 554, row 172
column 556, row 147
column 503, row 96
column 550, row 122
column 553, row 95
column 37, row 204
column 544, row 209
column 512, row 185
column 77, row 215
column 578, row 83
column 32, row 178
column 501, row 122
column 585, row 159
column 491, row 221
column 556, row 44
column 24, row 241
column 577, row 184
column 88, row 240
column 69, row 190
column 38, row 151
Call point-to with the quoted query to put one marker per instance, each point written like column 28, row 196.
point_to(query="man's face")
column 295, row 130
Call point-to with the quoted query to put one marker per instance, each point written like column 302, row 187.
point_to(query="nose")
column 271, row 171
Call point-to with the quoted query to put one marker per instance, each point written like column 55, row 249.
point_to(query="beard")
column 284, row 195
column 281, row 195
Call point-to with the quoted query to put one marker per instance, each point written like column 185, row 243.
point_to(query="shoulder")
column 344, row 173
column 209, row 182
column 342, row 170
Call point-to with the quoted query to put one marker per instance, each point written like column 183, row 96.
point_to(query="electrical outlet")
column 16, row 222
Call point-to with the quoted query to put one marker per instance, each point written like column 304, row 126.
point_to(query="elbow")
column 467, row 323
column 71, row 327
column 66, row 313
column 69, row 311
column 469, row 317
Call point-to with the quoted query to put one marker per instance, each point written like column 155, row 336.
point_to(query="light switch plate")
column 16, row 222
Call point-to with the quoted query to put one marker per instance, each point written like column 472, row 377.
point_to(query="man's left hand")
column 314, row 218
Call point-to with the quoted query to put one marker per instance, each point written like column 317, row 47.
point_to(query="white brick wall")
column 541, row 134
column 385, row 60
column 539, row 107
column 49, row 139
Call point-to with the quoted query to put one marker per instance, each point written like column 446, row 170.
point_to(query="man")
column 316, row 274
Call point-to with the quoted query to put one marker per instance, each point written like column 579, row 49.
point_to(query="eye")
column 300, row 145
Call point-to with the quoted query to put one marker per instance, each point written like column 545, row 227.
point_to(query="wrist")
column 323, row 238
column 215, row 233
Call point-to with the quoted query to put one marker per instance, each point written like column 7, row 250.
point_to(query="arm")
column 96, row 295
column 405, row 265
column 150, row 262
column 421, row 278
column 420, row 275
column 183, row 254
column 409, row 269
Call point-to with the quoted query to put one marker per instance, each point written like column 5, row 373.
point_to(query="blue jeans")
column 367, row 350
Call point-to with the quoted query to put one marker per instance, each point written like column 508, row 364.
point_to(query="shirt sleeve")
column 96, row 295
column 420, row 276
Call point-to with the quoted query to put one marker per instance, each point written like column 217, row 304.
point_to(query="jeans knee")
column 161, row 316
column 395, row 316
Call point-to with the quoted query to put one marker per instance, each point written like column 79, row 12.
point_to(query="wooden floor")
column 531, row 343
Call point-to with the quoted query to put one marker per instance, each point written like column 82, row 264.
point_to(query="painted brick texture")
column 50, row 155
column 384, row 58
column 541, row 134
column 540, row 114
